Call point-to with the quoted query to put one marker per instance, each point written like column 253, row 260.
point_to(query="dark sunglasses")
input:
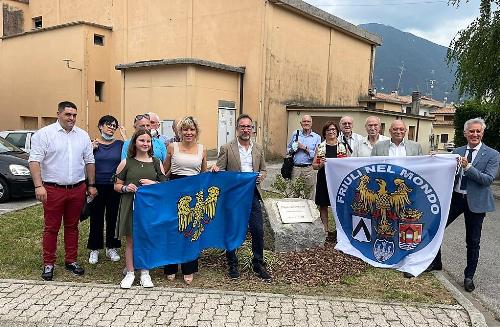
column 139, row 117
column 111, row 125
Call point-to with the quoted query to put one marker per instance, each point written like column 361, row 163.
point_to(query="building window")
column 99, row 91
column 29, row 122
column 411, row 133
column 448, row 118
column 444, row 138
column 37, row 22
column 99, row 40
column 371, row 105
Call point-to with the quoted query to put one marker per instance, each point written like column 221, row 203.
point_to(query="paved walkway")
column 33, row 303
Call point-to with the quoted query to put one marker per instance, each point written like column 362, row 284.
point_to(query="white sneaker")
column 146, row 281
column 94, row 257
column 128, row 280
column 113, row 255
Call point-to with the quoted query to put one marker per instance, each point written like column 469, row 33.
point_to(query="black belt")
column 462, row 195
column 302, row 165
column 64, row 186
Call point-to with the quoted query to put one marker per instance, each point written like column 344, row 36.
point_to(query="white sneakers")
column 129, row 278
column 113, row 255
column 94, row 257
column 146, row 281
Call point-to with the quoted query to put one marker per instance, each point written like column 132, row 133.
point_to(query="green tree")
column 490, row 112
column 476, row 51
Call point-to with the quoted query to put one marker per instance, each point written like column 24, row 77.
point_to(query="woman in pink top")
column 185, row 158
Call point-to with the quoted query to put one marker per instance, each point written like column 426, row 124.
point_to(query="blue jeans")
column 256, row 227
column 473, row 227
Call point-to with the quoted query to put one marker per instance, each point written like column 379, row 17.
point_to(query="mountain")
column 422, row 62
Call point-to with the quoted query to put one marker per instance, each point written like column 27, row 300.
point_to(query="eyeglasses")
column 331, row 130
column 139, row 117
column 111, row 125
column 245, row 126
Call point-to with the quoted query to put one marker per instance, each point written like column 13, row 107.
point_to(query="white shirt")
column 62, row 155
column 364, row 147
column 353, row 140
column 397, row 150
column 246, row 157
column 474, row 154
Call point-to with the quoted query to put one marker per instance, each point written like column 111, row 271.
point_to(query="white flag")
column 391, row 212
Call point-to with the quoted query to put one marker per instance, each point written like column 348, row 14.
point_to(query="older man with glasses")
column 155, row 128
column 144, row 122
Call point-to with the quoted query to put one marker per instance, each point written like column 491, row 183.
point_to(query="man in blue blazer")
column 472, row 194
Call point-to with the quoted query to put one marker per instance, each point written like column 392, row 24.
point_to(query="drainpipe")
column 242, row 75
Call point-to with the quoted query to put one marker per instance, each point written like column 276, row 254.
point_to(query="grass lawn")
column 20, row 258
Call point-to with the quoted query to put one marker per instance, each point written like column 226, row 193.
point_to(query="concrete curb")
column 476, row 317
column 3, row 212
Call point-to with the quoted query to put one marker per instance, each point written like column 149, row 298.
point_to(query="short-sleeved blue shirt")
column 159, row 149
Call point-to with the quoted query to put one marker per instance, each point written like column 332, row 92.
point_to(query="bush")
column 473, row 109
column 294, row 188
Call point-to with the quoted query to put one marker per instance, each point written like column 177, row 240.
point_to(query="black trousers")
column 256, row 227
column 473, row 227
column 105, row 205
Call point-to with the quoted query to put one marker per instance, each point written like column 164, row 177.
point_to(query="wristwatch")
column 90, row 185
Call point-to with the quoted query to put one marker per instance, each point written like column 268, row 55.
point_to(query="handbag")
column 287, row 167
column 86, row 209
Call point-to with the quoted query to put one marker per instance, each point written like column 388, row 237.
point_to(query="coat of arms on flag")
column 391, row 212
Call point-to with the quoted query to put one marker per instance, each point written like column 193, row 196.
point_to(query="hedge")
column 472, row 109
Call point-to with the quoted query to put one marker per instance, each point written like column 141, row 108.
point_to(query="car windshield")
column 18, row 139
column 8, row 147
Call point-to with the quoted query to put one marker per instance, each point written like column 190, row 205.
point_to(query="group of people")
column 472, row 195
column 67, row 167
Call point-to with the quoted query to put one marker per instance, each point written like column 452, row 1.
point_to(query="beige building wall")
column 288, row 57
column 440, row 130
column 311, row 64
column 34, row 81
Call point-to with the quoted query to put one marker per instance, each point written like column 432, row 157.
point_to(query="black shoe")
column 75, row 268
column 261, row 272
column 433, row 267
column 408, row 275
column 469, row 285
column 48, row 272
column 233, row 272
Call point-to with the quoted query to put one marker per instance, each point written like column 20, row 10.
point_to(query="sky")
column 433, row 20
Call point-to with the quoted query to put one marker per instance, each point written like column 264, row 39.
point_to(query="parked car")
column 450, row 146
column 15, row 177
column 21, row 138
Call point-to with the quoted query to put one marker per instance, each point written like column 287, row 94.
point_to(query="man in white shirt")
column 364, row 147
column 347, row 135
column 60, row 158
column 397, row 146
column 243, row 155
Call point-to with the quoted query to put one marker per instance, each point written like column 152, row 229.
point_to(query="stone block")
column 280, row 237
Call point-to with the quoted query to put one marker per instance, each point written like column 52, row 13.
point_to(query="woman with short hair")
column 331, row 147
column 104, row 207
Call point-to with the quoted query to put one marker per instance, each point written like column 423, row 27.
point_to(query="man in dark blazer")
column 472, row 194
column 244, row 155
column 397, row 146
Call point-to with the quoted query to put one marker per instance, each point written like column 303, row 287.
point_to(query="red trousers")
column 62, row 205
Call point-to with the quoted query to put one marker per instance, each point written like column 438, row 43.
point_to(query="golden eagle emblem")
column 384, row 205
column 192, row 221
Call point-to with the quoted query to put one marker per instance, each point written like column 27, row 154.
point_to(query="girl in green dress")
column 139, row 168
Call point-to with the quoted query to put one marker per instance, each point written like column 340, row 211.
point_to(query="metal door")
column 226, row 126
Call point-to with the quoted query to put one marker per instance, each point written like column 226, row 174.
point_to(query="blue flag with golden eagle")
column 175, row 220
